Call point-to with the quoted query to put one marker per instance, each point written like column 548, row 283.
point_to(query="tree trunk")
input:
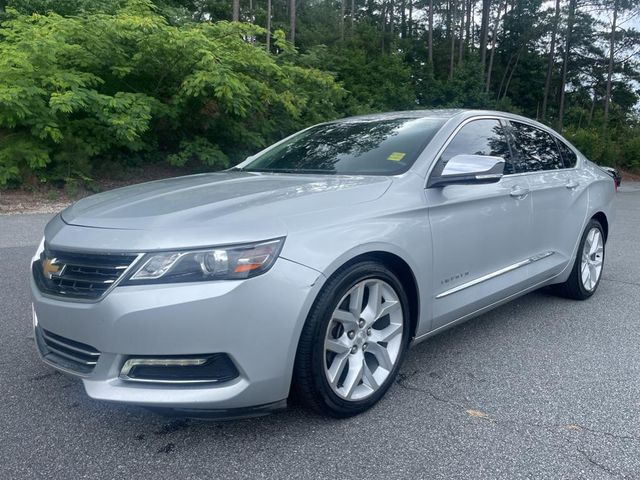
column 383, row 22
column 493, row 46
column 484, row 28
column 430, row 33
column 474, row 28
column 470, row 6
column 410, row 21
column 612, row 44
column 452, row 32
column 292, row 20
column 403, row 18
column 552, row 52
column 268, row 25
column 515, row 65
column 343, row 6
column 352, row 15
column 504, row 75
column 593, row 107
column 567, row 48
column 236, row 10
column 461, row 39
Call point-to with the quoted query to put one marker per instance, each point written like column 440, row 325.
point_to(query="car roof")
column 447, row 114
column 423, row 113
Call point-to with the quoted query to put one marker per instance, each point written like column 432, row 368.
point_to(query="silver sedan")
column 311, row 267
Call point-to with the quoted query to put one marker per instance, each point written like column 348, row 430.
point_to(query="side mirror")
column 469, row 170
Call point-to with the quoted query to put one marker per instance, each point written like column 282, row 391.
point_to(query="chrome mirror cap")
column 469, row 169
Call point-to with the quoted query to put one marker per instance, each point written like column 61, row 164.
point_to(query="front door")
column 480, row 233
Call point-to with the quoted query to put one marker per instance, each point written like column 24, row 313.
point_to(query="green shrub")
column 590, row 143
column 630, row 152
column 103, row 86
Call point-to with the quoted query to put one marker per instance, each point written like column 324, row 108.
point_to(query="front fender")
column 404, row 235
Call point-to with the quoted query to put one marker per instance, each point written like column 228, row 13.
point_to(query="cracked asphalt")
column 540, row 388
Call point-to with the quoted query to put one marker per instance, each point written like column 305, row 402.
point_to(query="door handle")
column 572, row 185
column 519, row 192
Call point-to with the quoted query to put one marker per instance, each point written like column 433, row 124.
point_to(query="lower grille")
column 79, row 275
column 67, row 354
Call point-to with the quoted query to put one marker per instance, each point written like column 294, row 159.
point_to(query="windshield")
column 357, row 147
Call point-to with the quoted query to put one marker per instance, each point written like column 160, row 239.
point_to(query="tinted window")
column 480, row 137
column 354, row 147
column 537, row 150
column 569, row 156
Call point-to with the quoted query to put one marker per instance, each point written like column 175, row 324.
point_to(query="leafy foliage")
column 75, row 90
column 88, row 83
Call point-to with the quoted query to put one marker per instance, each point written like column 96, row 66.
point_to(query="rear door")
column 480, row 233
column 558, row 194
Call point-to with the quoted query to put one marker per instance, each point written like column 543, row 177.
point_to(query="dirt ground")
column 49, row 199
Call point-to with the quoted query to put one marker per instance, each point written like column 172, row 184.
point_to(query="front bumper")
column 256, row 322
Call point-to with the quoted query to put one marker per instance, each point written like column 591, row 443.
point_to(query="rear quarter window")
column 568, row 155
column 536, row 149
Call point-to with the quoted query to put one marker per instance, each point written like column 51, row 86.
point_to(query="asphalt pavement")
column 542, row 387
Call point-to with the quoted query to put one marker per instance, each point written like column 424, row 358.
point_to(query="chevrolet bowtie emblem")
column 51, row 267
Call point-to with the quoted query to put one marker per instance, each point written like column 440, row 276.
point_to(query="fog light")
column 212, row 368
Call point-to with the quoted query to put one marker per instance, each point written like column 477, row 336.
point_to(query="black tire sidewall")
column 345, row 280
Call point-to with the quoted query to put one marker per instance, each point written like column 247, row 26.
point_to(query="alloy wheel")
column 363, row 339
column 592, row 258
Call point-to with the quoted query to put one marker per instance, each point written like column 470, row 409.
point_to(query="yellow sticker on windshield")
column 396, row 156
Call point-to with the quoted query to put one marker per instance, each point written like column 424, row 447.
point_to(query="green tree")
column 76, row 90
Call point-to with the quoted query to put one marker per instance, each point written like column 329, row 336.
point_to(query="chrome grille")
column 79, row 275
column 67, row 354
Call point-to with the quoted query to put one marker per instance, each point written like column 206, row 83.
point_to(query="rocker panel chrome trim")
column 497, row 273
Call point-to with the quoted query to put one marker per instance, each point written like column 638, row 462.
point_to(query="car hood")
column 223, row 198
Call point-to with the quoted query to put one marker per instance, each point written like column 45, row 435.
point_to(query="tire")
column 579, row 286
column 341, row 369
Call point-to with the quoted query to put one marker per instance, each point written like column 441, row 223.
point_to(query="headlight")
column 216, row 263
column 39, row 251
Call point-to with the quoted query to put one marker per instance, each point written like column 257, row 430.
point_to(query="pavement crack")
column 604, row 433
column 597, row 464
column 43, row 376
column 402, row 382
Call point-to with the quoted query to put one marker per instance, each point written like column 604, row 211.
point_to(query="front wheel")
column 353, row 342
column 587, row 269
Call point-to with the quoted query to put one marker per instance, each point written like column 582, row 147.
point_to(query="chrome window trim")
column 495, row 274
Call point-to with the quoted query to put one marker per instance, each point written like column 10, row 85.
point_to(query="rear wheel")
column 353, row 342
column 587, row 269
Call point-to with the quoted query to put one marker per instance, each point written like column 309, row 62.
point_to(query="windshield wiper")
column 289, row 170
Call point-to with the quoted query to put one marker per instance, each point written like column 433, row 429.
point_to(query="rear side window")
column 536, row 149
column 569, row 156
column 479, row 137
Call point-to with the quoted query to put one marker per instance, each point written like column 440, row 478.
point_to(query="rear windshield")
column 373, row 147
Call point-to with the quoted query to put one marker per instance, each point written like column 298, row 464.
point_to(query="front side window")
column 479, row 137
column 536, row 149
column 354, row 147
